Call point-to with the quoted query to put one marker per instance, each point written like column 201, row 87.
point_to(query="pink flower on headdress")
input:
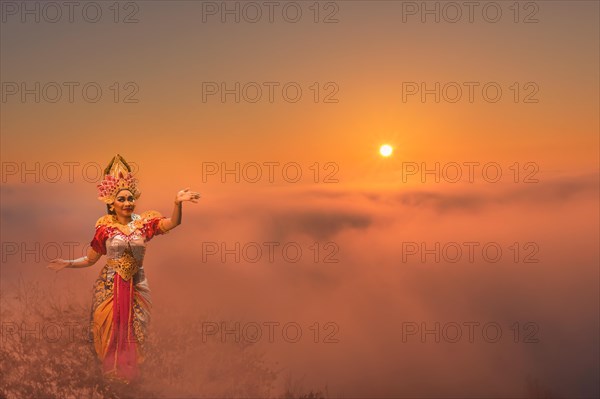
column 110, row 185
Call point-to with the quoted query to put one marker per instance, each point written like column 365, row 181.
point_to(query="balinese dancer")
column 121, row 302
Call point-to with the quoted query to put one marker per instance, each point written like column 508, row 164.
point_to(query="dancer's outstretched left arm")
column 175, row 219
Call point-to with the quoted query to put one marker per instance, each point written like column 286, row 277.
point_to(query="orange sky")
column 369, row 213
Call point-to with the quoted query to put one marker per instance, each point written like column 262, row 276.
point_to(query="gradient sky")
column 171, row 134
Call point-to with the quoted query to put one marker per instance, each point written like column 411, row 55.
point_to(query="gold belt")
column 126, row 264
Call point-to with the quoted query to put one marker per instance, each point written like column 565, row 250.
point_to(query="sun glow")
column 386, row 150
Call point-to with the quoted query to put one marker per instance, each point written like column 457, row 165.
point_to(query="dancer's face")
column 124, row 203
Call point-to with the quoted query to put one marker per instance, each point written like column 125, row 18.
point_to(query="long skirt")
column 119, row 320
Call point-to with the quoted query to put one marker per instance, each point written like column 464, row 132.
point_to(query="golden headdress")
column 117, row 176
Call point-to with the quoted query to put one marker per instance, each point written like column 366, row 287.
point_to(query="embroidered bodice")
column 125, row 245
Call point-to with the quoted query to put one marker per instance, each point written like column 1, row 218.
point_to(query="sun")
column 386, row 150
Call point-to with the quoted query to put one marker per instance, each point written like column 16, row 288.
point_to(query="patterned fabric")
column 120, row 310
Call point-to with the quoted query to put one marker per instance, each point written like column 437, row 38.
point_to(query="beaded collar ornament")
column 117, row 176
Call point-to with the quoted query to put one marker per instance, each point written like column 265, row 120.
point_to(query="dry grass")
column 178, row 364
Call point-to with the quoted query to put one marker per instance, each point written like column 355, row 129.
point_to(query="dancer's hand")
column 58, row 264
column 187, row 195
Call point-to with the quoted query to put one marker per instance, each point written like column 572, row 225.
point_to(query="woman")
column 121, row 301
